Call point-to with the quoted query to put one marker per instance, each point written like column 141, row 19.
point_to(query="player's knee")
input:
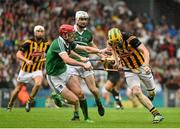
column 136, row 91
column 80, row 94
column 109, row 89
column 19, row 87
column 75, row 101
column 94, row 90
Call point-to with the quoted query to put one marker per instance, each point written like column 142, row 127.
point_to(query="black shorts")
column 113, row 76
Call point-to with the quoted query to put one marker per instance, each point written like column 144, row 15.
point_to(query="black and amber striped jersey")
column 35, row 52
column 128, row 53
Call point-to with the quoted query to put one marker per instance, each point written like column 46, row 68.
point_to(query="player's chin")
column 39, row 37
column 82, row 25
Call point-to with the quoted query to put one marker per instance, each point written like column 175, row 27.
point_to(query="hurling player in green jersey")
column 58, row 72
column 84, row 37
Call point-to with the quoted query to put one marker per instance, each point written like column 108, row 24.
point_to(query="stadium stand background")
column 156, row 23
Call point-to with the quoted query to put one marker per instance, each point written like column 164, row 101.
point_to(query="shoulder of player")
column 57, row 41
column 128, row 36
column 28, row 41
column 45, row 41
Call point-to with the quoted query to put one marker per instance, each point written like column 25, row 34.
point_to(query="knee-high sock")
column 115, row 95
column 84, row 108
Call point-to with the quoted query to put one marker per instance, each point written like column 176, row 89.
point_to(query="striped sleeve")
column 58, row 46
column 25, row 46
column 61, row 46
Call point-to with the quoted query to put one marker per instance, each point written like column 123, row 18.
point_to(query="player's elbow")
column 18, row 54
column 67, row 60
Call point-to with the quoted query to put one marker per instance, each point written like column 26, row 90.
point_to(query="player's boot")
column 9, row 109
column 101, row 110
column 57, row 99
column 28, row 105
column 100, row 107
column 157, row 118
column 75, row 117
column 119, row 105
column 88, row 120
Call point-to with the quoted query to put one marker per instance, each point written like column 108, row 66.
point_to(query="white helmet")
column 81, row 14
column 38, row 27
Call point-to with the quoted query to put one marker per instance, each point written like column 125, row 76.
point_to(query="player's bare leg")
column 35, row 89
column 136, row 90
column 74, row 86
column 14, row 95
column 132, row 98
column 106, row 96
column 90, row 81
column 117, row 87
column 72, row 99
column 110, row 87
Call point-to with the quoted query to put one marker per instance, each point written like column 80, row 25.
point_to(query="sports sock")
column 84, row 108
column 115, row 95
column 154, row 111
column 76, row 114
column 30, row 99
column 98, row 102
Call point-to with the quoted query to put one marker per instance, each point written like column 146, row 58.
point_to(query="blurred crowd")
column 18, row 17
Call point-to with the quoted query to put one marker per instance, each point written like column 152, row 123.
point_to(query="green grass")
column 60, row 118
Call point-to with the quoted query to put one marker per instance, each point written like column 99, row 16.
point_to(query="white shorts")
column 134, row 79
column 57, row 83
column 80, row 71
column 26, row 77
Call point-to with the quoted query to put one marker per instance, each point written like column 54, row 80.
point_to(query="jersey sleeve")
column 25, row 46
column 90, row 40
column 135, row 42
column 58, row 46
column 132, row 40
column 73, row 45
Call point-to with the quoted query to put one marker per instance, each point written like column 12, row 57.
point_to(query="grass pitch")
column 60, row 118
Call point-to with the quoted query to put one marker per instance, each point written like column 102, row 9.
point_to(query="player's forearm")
column 146, row 58
column 91, row 49
column 73, row 62
column 20, row 56
column 115, row 56
column 145, row 51
column 76, row 55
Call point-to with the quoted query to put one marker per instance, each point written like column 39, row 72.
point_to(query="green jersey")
column 54, row 63
column 82, row 38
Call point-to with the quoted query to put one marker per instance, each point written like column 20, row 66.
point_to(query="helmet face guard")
column 114, row 37
column 82, row 19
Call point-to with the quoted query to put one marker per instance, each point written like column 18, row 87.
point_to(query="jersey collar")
column 75, row 28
